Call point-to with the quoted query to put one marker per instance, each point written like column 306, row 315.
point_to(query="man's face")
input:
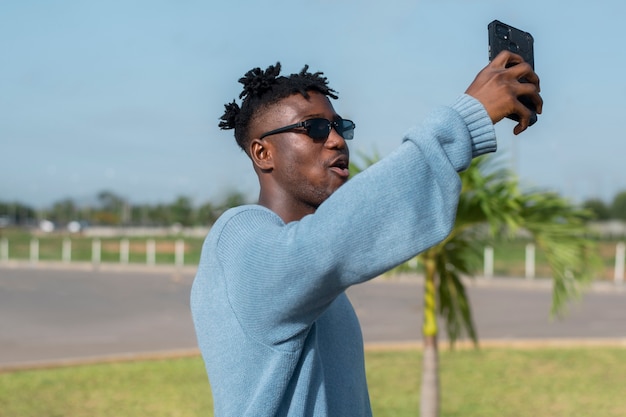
column 305, row 171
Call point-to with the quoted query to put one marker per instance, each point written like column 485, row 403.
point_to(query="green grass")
column 150, row 388
column 576, row 382
column 551, row 382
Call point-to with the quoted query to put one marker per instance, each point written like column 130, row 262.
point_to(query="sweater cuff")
column 478, row 123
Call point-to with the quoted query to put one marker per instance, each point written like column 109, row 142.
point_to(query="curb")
column 96, row 267
column 104, row 359
column 523, row 344
column 509, row 282
column 417, row 345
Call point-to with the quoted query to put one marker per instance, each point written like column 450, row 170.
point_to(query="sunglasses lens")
column 346, row 129
column 318, row 129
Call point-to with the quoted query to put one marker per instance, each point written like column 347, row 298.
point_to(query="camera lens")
column 502, row 31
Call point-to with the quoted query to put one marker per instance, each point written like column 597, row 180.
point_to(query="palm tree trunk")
column 429, row 402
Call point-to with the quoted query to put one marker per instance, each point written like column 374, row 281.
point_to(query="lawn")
column 572, row 382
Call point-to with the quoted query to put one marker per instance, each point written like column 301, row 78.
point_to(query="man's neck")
column 287, row 209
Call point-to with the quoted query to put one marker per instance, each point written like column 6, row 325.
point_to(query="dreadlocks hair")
column 263, row 88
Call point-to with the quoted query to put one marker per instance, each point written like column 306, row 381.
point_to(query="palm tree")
column 492, row 205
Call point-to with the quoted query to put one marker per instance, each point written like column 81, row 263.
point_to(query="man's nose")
column 335, row 140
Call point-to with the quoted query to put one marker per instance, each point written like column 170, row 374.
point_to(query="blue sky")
column 125, row 95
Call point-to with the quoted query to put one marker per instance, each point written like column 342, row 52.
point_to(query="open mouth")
column 340, row 167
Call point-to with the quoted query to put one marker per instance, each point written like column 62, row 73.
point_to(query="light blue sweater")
column 275, row 328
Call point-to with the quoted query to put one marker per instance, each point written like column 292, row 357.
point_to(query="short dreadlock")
column 263, row 88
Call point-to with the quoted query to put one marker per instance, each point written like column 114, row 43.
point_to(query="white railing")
column 179, row 255
column 488, row 267
column 529, row 270
column 96, row 251
column 620, row 254
column 529, row 262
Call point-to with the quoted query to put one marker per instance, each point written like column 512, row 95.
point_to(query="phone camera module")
column 502, row 31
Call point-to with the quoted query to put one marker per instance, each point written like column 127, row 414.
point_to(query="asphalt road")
column 53, row 314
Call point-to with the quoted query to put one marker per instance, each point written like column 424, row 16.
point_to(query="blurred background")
column 115, row 104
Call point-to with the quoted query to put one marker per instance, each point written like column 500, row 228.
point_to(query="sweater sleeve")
column 280, row 277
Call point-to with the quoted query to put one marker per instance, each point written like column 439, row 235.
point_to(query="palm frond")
column 492, row 205
column 365, row 161
column 455, row 258
column 559, row 230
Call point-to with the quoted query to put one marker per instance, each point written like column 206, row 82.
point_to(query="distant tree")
column 113, row 210
column 207, row 214
column 233, row 199
column 140, row 214
column 63, row 211
column 598, row 209
column 618, row 207
column 161, row 215
column 110, row 201
column 182, row 211
column 17, row 213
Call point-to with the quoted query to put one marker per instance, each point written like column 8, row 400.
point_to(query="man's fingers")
column 523, row 116
column 502, row 84
column 531, row 92
column 507, row 59
column 518, row 68
column 525, row 71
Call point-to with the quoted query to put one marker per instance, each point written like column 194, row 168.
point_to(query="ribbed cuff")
column 478, row 123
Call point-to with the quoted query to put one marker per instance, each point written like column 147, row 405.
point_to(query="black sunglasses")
column 319, row 128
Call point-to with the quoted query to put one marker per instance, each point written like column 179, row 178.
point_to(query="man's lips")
column 340, row 166
column 342, row 172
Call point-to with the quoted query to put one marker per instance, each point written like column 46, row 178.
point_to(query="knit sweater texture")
column 277, row 332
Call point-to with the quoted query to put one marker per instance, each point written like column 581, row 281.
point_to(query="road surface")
column 54, row 314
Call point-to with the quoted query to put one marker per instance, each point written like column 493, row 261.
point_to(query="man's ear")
column 261, row 154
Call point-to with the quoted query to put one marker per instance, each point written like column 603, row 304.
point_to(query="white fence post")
column 180, row 253
column 150, row 252
column 488, row 267
column 124, row 251
column 620, row 254
column 530, row 261
column 67, row 250
column 414, row 263
column 34, row 251
column 96, row 251
column 4, row 249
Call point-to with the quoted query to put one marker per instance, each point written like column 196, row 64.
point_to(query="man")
column 276, row 330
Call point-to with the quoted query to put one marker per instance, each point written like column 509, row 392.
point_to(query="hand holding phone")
column 503, row 37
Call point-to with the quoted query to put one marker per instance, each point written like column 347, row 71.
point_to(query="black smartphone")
column 505, row 37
